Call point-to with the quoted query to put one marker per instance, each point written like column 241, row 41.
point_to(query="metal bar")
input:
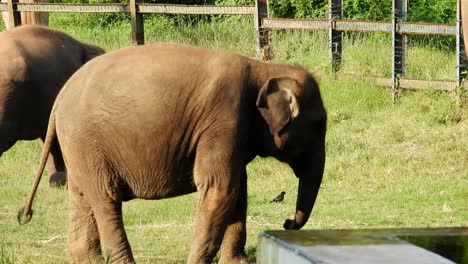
column 197, row 10
column 401, row 27
column 426, row 28
column 400, row 14
column 462, row 61
column 289, row 23
column 335, row 36
column 75, row 8
column 262, row 34
column 398, row 45
column 463, row 5
column 361, row 26
column 138, row 34
column 13, row 14
column 144, row 8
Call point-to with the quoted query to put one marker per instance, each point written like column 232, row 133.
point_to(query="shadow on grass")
column 251, row 254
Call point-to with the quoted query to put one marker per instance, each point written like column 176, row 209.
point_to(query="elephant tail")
column 25, row 213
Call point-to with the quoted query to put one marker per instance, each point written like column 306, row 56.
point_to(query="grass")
column 401, row 165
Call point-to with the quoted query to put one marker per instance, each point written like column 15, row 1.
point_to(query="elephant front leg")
column 217, row 185
column 233, row 246
column 55, row 165
column 83, row 237
column 210, row 224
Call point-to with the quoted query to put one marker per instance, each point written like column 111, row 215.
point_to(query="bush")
column 368, row 10
column 435, row 11
column 299, row 8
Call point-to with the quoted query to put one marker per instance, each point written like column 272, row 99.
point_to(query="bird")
column 279, row 198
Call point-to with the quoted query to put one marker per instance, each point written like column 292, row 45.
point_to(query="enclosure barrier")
column 398, row 27
column 335, row 24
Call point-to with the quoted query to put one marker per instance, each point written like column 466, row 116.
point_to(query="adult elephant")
column 159, row 121
column 35, row 62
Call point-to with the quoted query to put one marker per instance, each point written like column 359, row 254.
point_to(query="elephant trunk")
column 310, row 177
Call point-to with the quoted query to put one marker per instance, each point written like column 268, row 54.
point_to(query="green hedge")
column 437, row 11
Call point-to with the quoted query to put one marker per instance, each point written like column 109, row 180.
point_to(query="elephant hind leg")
column 5, row 145
column 114, row 242
column 6, row 140
column 83, row 236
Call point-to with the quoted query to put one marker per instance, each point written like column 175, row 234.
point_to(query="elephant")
column 35, row 62
column 164, row 120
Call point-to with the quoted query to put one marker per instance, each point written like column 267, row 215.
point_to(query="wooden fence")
column 263, row 24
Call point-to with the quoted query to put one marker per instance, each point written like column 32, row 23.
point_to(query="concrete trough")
column 415, row 246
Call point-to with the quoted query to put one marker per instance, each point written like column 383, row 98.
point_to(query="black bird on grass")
column 279, row 198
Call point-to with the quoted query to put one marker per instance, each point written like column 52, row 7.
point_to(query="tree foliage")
column 435, row 11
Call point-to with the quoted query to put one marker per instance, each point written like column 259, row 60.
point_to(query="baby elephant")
column 160, row 121
column 35, row 62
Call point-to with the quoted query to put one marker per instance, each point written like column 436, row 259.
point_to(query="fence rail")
column 125, row 8
column 69, row 8
column 263, row 24
column 361, row 26
column 196, row 10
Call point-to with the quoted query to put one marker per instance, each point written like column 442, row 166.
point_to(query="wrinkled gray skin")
column 35, row 62
column 160, row 121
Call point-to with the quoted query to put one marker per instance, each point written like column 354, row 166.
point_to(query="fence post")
column 138, row 33
column 400, row 10
column 262, row 35
column 462, row 22
column 335, row 36
column 13, row 15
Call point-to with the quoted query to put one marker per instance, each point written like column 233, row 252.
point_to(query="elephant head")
column 296, row 119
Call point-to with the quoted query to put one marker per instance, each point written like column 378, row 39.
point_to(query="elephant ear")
column 277, row 103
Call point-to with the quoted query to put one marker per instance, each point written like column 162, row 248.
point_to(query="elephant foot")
column 58, row 179
column 237, row 259
column 88, row 259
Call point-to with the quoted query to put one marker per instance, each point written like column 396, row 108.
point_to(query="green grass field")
column 388, row 165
